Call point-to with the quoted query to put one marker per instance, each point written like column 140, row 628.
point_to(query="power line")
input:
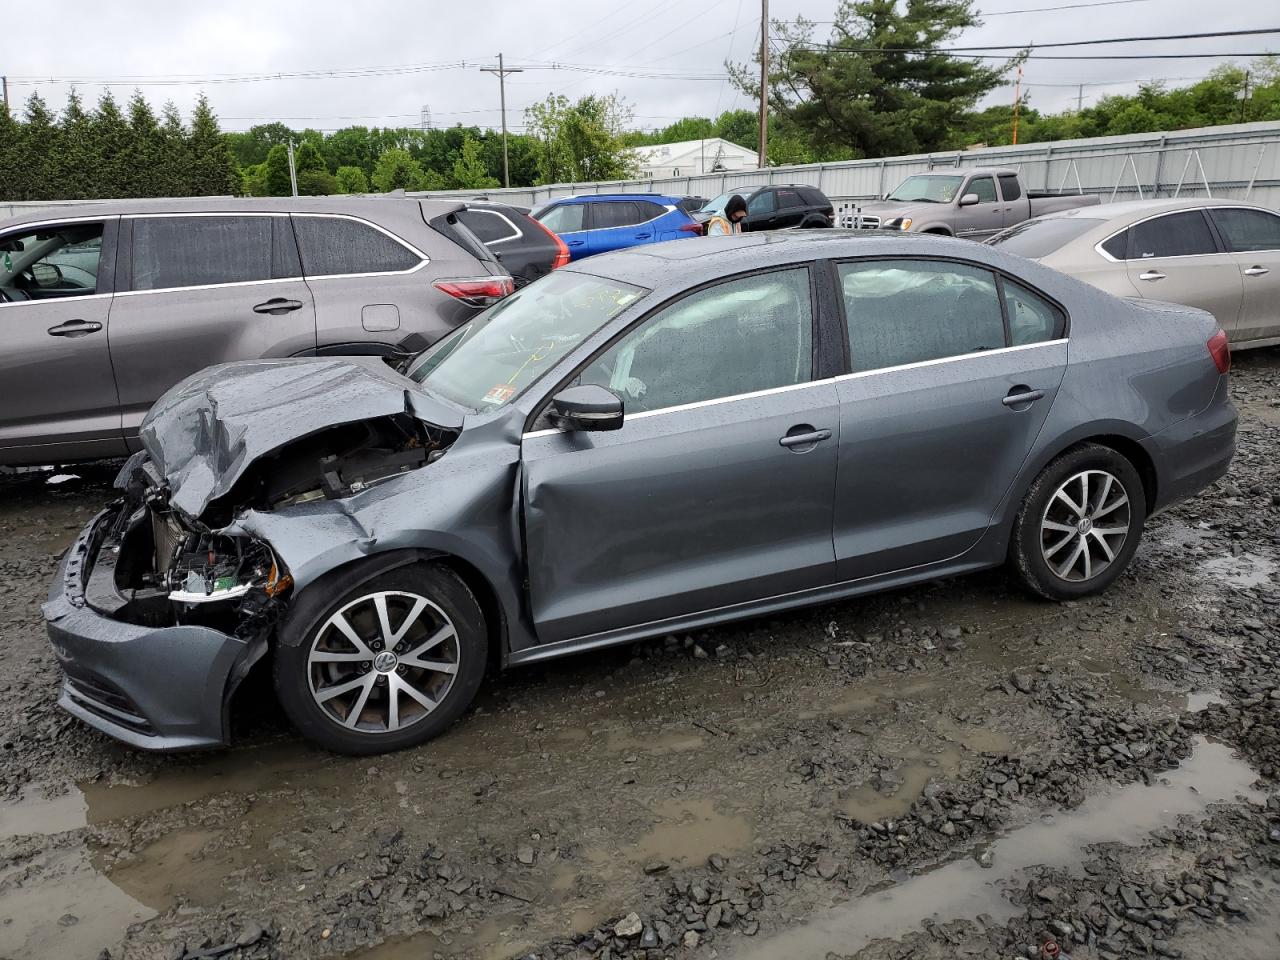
column 1046, row 46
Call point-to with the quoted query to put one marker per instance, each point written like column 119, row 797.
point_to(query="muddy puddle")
column 964, row 889
column 1243, row 572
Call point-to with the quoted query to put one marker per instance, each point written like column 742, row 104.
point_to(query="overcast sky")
column 134, row 44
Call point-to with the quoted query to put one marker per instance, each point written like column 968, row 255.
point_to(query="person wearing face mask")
column 735, row 211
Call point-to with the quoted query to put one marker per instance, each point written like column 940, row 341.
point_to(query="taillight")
column 477, row 291
column 695, row 228
column 562, row 249
column 1220, row 350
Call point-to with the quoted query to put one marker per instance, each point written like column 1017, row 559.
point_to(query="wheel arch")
column 308, row 603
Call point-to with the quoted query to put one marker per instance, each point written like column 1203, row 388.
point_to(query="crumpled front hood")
column 206, row 431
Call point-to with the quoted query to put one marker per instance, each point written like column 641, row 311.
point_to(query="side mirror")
column 46, row 274
column 968, row 200
column 588, row 407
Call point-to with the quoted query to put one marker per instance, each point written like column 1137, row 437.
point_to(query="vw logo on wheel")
column 385, row 661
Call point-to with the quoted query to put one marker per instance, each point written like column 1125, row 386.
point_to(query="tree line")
column 855, row 95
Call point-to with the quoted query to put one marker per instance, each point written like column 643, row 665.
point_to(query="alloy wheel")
column 1085, row 525
column 383, row 662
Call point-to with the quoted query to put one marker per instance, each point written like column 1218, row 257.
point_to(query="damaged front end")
column 164, row 603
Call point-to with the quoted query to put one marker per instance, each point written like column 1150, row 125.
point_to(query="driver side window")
column 744, row 335
column 54, row 262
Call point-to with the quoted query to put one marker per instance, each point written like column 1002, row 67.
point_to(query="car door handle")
column 806, row 439
column 1256, row 271
column 75, row 328
column 643, row 236
column 1151, row 275
column 575, row 243
column 1022, row 395
column 278, row 306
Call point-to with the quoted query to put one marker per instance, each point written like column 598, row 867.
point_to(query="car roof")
column 366, row 206
column 1129, row 210
column 589, row 197
column 687, row 262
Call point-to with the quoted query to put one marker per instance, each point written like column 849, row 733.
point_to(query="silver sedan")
column 1218, row 255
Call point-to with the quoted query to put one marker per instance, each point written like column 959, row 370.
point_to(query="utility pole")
column 1080, row 99
column 1017, row 103
column 501, row 70
column 4, row 90
column 293, row 173
column 1243, row 95
column 764, row 83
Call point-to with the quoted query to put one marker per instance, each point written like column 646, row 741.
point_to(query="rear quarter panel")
column 1134, row 368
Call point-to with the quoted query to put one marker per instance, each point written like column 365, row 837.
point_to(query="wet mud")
column 950, row 770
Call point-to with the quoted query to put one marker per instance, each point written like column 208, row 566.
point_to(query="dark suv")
column 105, row 306
column 777, row 206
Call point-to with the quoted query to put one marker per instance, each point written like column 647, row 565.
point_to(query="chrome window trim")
column 1097, row 247
column 211, row 286
column 680, row 408
column 35, row 224
column 422, row 257
column 505, row 219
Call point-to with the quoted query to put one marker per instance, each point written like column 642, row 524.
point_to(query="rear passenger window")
column 335, row 245
column 1118, row 246
column 614, row 213
column 1175, row 235
column 171, row 252
column 1248, row 230
column 789, row 198
column 1009, row 186
column 1032, row 318
column 648, row 210
column 908, row 311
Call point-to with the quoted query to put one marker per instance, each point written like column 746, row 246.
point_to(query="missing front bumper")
column 156, row 688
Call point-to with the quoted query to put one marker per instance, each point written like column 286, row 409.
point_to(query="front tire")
column 1079, row 524
column 388, row 664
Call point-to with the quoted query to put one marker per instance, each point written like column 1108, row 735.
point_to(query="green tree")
column 397, row 170
column 141, row 162
column 581, row 141
column 469, row 171
column 878, row 86
column 74, row 163
column 317, row 183
column 13, row 185
column 213, row 169
column 253, row 181
column 351, row 180
column 277, row 179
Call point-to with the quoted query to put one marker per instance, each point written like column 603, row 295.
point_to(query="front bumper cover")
column 155, row 688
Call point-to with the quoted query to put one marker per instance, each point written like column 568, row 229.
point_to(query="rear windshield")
column 1039, row 238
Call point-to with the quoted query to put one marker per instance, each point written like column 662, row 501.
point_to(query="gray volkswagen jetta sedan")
column 650, row 441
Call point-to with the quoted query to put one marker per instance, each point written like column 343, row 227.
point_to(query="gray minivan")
column 104, row 306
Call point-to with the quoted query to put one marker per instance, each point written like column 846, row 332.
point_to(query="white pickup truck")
column 974, row 204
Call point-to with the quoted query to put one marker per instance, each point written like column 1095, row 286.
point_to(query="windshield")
column 928, row 189
column 717, row 205
column 1039, row 238
column 490, row 361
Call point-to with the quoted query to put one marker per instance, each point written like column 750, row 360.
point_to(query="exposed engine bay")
column 154, row 566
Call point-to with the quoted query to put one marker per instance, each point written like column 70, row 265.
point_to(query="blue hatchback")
column 600, row 223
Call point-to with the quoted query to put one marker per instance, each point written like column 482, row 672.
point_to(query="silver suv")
column 104, row 306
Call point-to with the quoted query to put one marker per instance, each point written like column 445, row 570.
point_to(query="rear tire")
column 371, row 665
column 1079, row 524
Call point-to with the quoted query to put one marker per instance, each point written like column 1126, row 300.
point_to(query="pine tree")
column 144, row 153
column 213, row 170
column 277, row 179
column 13, row 181
column 111, row 139
column 39, row 146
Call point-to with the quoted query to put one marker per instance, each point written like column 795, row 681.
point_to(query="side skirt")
column 970, row 562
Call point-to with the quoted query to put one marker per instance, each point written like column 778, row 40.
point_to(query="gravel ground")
column 948, row 771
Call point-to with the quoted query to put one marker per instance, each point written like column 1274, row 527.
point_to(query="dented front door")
column 679, row 512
